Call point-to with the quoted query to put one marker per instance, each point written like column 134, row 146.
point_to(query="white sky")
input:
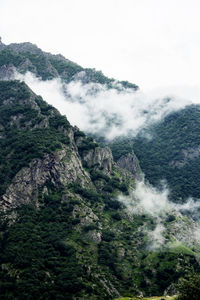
column 153, row 43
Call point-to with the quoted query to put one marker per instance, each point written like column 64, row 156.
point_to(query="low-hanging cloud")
column 146, row 199
column 113, row 112
column 178, row 220
column 109, row 112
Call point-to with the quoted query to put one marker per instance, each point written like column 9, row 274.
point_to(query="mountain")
column 57, row 189
column 26, row 57
column 174, row 153
column 168, row 150
column 63, row 230
column 73, row 224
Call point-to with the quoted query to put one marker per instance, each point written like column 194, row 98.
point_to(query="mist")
column 179, row 221
column 113, row 112
column 117, row 111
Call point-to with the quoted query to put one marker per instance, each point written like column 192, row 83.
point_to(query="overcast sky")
column 151, row 43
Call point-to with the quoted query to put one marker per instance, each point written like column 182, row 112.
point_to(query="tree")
column 189, row 287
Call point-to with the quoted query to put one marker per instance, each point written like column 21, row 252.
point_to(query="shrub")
column 189, row 287
column 90, row 227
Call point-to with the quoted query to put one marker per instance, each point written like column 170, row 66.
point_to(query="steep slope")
column 25, row 57
column 64, row 232
column 59, row 180
column 167, row 150
column 173, row 152
column 80, row 87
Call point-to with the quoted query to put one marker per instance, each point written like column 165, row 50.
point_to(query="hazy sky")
column 151, row 43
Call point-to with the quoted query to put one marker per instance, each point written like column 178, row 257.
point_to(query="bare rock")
column 130, row 162
column 101, row 157
column 7, row 72
column 61, row 168
column 94, row 236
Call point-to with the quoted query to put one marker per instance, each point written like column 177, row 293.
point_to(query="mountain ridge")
column 28, row 57
column 72, row 222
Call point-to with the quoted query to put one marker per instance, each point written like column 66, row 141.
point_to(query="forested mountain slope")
column 73, row 224
column 173, row 152
column 64, row 234
column 55, row 185
column 168, row 151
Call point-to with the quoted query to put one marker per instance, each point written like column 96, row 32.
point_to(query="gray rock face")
column 171, row 290
column 101, row 157
column 94, row 236
column 61, row 168
column 24, row 47
column 27, row 65
column 130, row 162
column 7, row 72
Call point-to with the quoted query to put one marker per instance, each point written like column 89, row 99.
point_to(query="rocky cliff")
column 130, row 162
column 69, row 229
column 43, row 158
column 60, row 167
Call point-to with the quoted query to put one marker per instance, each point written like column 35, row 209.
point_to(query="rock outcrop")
column 130, row 163
column 101, row 158
column 7, row 72
column 60, row 169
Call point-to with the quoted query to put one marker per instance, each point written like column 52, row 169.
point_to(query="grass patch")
column 178, row 247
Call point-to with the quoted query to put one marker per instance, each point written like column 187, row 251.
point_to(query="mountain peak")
column 25, row 47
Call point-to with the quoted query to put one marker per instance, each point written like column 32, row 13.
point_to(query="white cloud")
column 156, row 237
column 145, row 199
column 95, row 109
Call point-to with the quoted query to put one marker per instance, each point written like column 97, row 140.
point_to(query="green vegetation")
column 189, row 287
column 160, row 266
column 171, row 153
column 178, row 247
column 37, row 260
column 8, row 57
column 81, row 242
column 65, row 68
column 86, row 144
column 19, row 146
column 47, row 254
column 162, row 157
column 48, row 66
column 40, row 62
column 128, row 85
column 120, row 147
